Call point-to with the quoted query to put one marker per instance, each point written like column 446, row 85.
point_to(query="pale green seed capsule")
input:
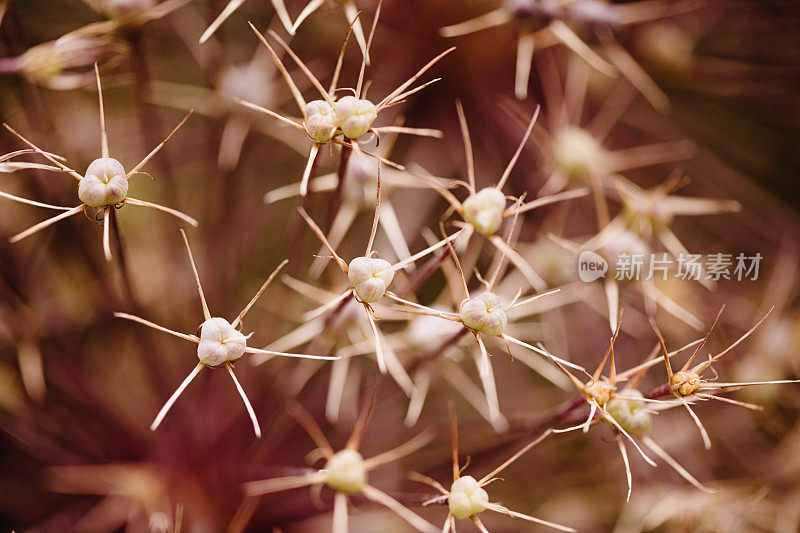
column 484, row 210
column 355, row 116
column 630, row 413
column 370, row 277
column 220, row 342
column 484, row 314
column 577, row 154
column 346, row 471
column 467, row 498
column 104, row 184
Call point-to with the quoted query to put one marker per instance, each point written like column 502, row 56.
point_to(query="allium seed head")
column 104, row 184
column 370, row 277
column 484, row 210
column 346, row 471
column 467, row 498
column 484, row 314
column 355, row 116
column 220, row 342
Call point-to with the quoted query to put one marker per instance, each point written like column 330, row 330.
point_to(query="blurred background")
column 79, row 388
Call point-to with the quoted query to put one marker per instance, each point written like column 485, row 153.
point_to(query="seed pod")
column 220, row 342
column 630, row 413
column 484, row 314
column 320, row 121
column 484, row 210
column 104, row 184
column 684, row 383
column 346, row 471
column 355, row 116
column 577, row 153
column 600, row 391
column 370, row 277
column 467, row 498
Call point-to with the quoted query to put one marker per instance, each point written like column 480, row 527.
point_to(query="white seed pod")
column 630, row 413
column 484, row 210
column 370, row 277
column 355, row 116
column 467, row 498
column 685, row 383
column 484, row 314
column 104, row 184
column 577, row 153
column 220, row 342
column 600, row 391
column 346, row 471
column 320, row 121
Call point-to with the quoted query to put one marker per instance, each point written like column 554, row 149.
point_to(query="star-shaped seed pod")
column 346, row 471
column 485, row 314
column 349, row 117
column 220, row 344
column 576, row 24
column 104, row 186
column 688, row 385
column 483, row 211
column 369, row 276
column 626, row 410
column 467, row 497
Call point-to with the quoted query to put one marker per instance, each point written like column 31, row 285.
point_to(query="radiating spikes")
column 526, row 45
column 174, row 212
column 206, row 312
column 454, row 439
column 167, row 406
column 377, row 215
column 106, row 239
column 301, row 103
column 705, row 339
column 103, row 135
column 147, row 158
column 525, row 137
column 321, row 236
column 361, row 422
column 42, row 225
column 313, row 79
column 485, row 479
column 46, row 155
column 462, row 121
column 232, row 6
column 360, row 84
column 258, row 294
column 304, row 418
column 247, row 405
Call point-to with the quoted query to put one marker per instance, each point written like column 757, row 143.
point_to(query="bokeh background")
column 79, row 388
